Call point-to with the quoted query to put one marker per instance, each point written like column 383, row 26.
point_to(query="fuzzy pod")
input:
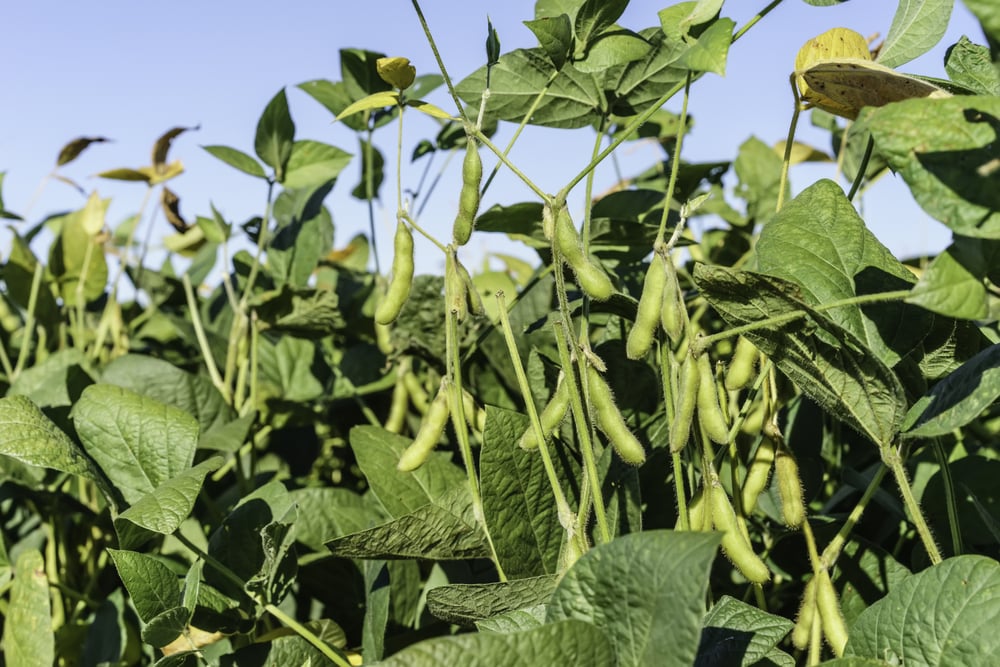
column 647, row 316
column 591, row 277
column 786, row 472
column 402, row 276
column 757, row 475
column 828, row 606
column 696, row 512
column 802, row 632
column 473, row 299
column 455, row 288
column 710, row 417
column 687, row 398
column 610, row 420
column 734, row 544
column 468, row 198
column 429, row 433
column 672, row 305
column 551, row 417
column 397, row 409
column 742, row 365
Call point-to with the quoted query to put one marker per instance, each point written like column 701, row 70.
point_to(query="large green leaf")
column 28, row 640
column 977, row 500
column 864, row 574
column 153, row 587
column 945, row 151
column 759, row 170
column 953, row 284
column 945, row 615
column 917, row 26
column 305, row 234
column 288, row 369
column 162, row 511
column 400, row 493
column 517, row 498
column 827, row 363
column 988, row 14
column 646, row 591
column 77, row 255
column 958, row 399
column 819, row 242
column 969, row 65
column 328, row 512
column 563, row 644
column 313, row 163
column 469, row 603
column 138, row 442
column 275, row 135
column 55, row 382
column 736, row 633
column 28, row 436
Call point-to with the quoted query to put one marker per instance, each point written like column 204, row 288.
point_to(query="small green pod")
column 672, row 306
column 429, row 433
column 468, row 198
column 402, row 276
column 710, row 417
column 834, row 627
column 734, row 545
column 687, row 399
column 647, row 316
column 474, row 299
column 802, row 632
column 786, row 473
column 397, row 409
column 551, row 417
column 455, row 289
column 742, row 365
column 696, row 512
column 757, row 475
column 591, row 277
column 610, row 420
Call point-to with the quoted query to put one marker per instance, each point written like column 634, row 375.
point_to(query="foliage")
column 307, row 461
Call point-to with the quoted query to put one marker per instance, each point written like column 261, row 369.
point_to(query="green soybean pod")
column 710, row 417
column 610, row 420
column 551, row 417
column 741, row 368
column 468, row 198
column 397, row 409
column 455, row 289
column 786, row 472
column 757, row 475
column 734, row 545
column 591, row 277
column 402, row 276
column 687, row 398
column 672, row 307
column 647, row 316
column 802, row 632
column 429, row 432
column 834, row 628
column 696, row 512
column 474, row 299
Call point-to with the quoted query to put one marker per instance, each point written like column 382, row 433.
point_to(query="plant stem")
column 674, row 165
column 948, row 483
column 199, row 333
column 832, row 550
column 29, row 322
column 860, row 176
column 892, row 458
column 308, row 635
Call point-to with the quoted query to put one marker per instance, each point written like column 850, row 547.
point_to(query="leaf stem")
column 199, row 332
column 892, row 458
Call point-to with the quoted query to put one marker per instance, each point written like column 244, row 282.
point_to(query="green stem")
column 786, row 160
column 949, row 496
column 29, row 322
column 308, row 635
column 832, row 550
column 892, row 458
column 675, row 164
column 860, row 176
column 199, row 333
column 440, row 62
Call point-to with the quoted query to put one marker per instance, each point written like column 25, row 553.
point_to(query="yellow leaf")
column 92, row 214
column 846, row 86
column 801, row 153
column 430, row 109
column 186, row 244
column 397, row 72
column 387, row 98
column 834, row 44
column 163, row 173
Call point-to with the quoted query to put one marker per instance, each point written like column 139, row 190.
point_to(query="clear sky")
column 131, row 70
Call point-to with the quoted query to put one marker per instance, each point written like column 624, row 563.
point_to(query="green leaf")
column 380, row 100
column 288, row 369
column 953, row 283
column 165, row 627
column 303, row 312
column 977, row 500
column 28, row 639
column 445, row 531
column 759, row 170
column 864, row 574
column 430, row 109
column 944, row 150
column 305, row 234
column 377, row 452
column 710, row 52
column 555, row 36
column 313, row 163
column 819, row 241
column 468, row 603
column 573, row 99
column 826, row 362
column 326, row 513
column 957, row 603
column 563, row 644
column 917, row 26
column 359, row 71
column 138, row 442
column 958, row 399
column 372, row 168
column 55, row 382
column 989, row 16
column 377, row 593
column 238, row 159
column 969, row 65
column 18, row 274
column 736, row 633
column 642, row 82
column 163, row 510
column 593, row 18
column 165, row 382
column 28, row 436
column 275, row 135
column 107, row 637
column 646, row 591
column 517, row 498
column 77, row 254
column 613, row 49
column 514, row 621
column 153, row 587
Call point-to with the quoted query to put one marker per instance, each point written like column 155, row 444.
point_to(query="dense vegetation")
column 760, row 439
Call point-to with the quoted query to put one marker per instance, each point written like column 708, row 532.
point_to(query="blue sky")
column 131, row 70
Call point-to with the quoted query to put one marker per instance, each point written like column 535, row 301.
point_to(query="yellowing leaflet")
column 844, row 86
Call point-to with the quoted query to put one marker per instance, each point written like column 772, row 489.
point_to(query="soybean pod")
column 710, row 417
column 468, row 198
column 757, row 475
column 610, row 420
column 402, row 276
column 834, row 628
column 647, row 316
column 734, row 544
column 591, row 277
column 672, row 305
column 687, row 398
column 786, row 472
column 551, row 416
column 742, row 365
column 430, row 431
column 802, row 632
column 454, row 286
